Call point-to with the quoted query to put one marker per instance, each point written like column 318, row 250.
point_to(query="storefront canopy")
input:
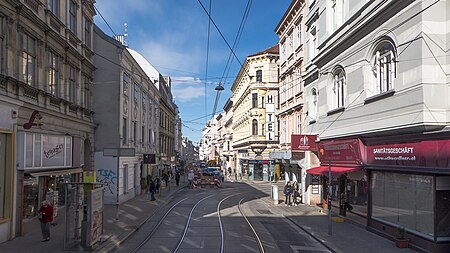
column 335, row 171
column 58, row 172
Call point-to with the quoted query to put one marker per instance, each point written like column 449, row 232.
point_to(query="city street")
column 229, row 219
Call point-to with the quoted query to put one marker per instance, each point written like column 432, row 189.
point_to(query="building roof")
column 272, row 50
column 148, row 68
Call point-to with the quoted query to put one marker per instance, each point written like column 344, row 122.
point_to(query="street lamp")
column 258, row 149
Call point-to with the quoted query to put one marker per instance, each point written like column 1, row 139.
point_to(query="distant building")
column 255, row 92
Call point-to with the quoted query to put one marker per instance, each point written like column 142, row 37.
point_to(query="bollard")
column 275, row 194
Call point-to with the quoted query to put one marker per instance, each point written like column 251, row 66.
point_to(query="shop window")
column 30, row 196
column 403, row 200
column 443, row 206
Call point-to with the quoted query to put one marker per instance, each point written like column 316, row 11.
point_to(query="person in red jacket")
column 45, row 215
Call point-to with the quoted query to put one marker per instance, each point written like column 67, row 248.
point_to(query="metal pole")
column 329, row 200
column 117, row 189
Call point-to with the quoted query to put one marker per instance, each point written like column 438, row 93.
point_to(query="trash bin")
column 275, row 194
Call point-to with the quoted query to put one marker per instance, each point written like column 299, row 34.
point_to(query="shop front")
column 343, row 161
column 410, row 188
column 45, row 164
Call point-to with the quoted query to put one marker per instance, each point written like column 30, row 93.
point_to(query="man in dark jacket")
column 287, row 193
column 152, row 189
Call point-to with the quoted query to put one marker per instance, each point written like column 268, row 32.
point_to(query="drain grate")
column 264, row 211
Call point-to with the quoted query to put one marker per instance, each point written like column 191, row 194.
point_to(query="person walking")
column 166, row 179
column 295, row 193
column 177, row 178
column 45, row 215
column 287, row 193
column 152, row 189
column 157, row 184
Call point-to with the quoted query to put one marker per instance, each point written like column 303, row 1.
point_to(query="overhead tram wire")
column 106, row 22
column 223, row 37
column 207, row 60
column 230, row 59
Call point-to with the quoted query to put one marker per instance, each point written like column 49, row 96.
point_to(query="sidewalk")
column 347, row 236
column 132, row 215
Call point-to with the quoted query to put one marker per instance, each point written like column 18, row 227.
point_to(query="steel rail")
column 258, row 240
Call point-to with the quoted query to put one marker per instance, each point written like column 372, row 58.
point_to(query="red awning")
column 335, row 171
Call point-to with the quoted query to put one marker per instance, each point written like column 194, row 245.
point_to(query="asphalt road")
column 233, row 218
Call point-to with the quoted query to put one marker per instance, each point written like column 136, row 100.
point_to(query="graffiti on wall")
column 108, row 178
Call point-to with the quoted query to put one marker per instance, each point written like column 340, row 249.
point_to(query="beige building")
column 255, row 92
column 46, row 72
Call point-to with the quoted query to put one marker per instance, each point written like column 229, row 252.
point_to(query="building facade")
column 376, row 79
column 167, row 117
column 126, row 106
column 291, row 113
column 47, row 129
column 255, row 94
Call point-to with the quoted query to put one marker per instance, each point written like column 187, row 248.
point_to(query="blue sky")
column 173, row 36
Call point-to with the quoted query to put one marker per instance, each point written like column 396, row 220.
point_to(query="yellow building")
column 255, row 93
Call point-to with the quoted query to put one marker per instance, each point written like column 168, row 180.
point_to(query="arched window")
column 339, row 88
column 384, row 66
column 254, row 127
column 313, row 106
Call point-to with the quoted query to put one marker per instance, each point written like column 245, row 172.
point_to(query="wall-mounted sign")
column 430, row 153
column 303, row 142
column 341, row 152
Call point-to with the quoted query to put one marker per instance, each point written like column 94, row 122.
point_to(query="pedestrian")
column 177, row 178
column 157, row 184
column 191, row 178
column 287, row 191
column 152, row 189
column 295, row 193
column 45, row 215
column 166, row 179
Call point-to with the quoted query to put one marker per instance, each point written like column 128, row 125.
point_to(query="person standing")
column 45, row 215
column 157, row 184
column 177, row 178
column 152, row 189
column 287, row 193
column 295, row 193
column 191, row 178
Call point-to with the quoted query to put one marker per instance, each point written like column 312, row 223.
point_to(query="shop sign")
column 303, row 142
column 430, row 153
column 341, row 152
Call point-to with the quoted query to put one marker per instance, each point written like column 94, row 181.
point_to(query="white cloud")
column 189, row 93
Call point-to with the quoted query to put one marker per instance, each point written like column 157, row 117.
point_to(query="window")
column 259, row 75
column 333, row 15
column 124, row 131
column 53, row 86
column 125, row 83
column 283, row 51
column 299, row 34
column 149, row 137
column 87, row 93
column 384, row 67
column 291, row 86
column 299, row 124
column 269, row 99
column 313, row 106
column 28, row 60
column 87, row 32
column 299, row 80
column 72, row 84
column 134, row 132
column 254, row 100
column 73, row 16
column 291, row 43
column 143, row 136
column 144, row 98
column 136, row 92
column 54, row 7
column 254, row 127
column 338, row 89
column 404, row 200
